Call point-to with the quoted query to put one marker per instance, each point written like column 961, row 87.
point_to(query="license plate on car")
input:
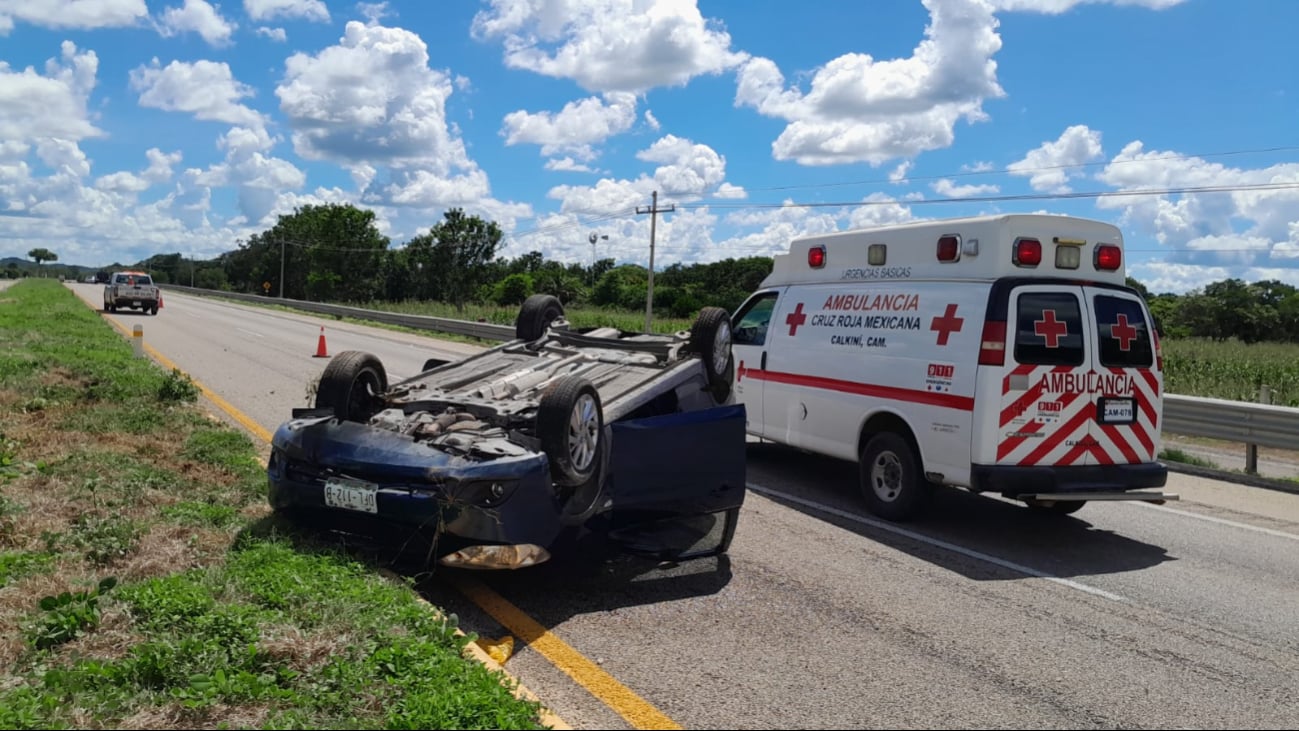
column 136, row 303
column 349, row 494
column 1117, row 410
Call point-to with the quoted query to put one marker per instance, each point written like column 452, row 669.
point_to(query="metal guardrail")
column 483, row 330
column 1231, row 421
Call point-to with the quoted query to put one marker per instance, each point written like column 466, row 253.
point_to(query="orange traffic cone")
column 320, row 347
column 160, row 300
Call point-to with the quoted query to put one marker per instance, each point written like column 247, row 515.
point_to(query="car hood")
column 386, row 455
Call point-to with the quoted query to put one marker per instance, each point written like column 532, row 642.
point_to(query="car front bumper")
column 413, row 485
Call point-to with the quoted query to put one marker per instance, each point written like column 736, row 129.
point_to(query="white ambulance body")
column 1000, row 354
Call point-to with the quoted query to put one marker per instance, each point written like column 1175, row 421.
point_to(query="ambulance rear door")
column 1078, row 382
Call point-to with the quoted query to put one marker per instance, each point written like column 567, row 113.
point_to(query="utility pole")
column 653, row 210
column 191, row 270
column 281, row 268
column 594, row 237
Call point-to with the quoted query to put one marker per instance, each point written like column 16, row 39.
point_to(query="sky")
column 130, row 128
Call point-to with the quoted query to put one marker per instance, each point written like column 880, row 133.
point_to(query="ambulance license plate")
column 1116, row 411
column 349, row 494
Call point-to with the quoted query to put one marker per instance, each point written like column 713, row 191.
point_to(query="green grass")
column 146, row 583
column 1177, row 455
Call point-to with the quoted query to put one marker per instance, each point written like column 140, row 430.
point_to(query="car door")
column 749, row 341
column 677, row 482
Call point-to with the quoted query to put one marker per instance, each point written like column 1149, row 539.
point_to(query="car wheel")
column 711, row 338
column 570, row 426
column 1058, row 507
column 352, row 385
column 891, row 481
column 536, row 314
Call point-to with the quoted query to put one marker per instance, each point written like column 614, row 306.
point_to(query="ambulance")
column 1000, row 354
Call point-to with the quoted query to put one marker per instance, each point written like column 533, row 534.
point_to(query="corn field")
column 1232, row 370
column 579, row 315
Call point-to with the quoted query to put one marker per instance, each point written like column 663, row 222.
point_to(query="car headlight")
column 484, row 493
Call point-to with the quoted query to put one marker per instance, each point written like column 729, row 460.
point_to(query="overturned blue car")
column 503, row 455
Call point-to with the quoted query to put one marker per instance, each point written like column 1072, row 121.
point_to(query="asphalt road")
column 981, row 615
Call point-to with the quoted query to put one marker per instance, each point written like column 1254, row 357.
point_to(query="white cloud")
column 726, row 190
column 275, row 34
column 1056, row 7
column 899, row 174
column 158, row 171
column 568, row 164
column 978, row 167
column 576, row 127
column 1047, row 167
column 50, row 105
column 608, row 45
column 878, row 210
column 947, row 189
column 64, row 157
column 687, row 169
column 197, row 16
column 1196, row 226
column 205, row 89
column 260, row 10
column 863, row 110
column 372, row 102
column 651, row 120
column 80, row 14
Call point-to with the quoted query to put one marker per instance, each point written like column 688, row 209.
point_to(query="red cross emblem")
column 947, row 324
column 1050, row 329
column 795, row 318
column 1123, row 332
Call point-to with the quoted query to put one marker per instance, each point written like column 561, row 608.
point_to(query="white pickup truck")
column 135, row 290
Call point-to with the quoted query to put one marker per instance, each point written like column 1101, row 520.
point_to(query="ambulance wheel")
column 891, row 480
column 570, row 426
column 710, row 337
column 536, row 314
column 352, row 385
column 1060, row 507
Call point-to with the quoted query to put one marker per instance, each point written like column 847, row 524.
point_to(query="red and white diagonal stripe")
column 1072, row 433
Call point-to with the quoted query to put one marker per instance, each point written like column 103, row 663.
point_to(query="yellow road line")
column 634, row 709
column 587, row 674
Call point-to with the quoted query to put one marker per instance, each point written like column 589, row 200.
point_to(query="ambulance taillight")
column 949, row 248
column 1108, row 257
column 1027, row 252
column 992, row 346
column 816, row 257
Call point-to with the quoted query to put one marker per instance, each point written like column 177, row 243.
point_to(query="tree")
column 455, row 255
column 42, row 255
column 331, row 252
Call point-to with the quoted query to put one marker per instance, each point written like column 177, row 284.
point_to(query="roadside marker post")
column 137, row 340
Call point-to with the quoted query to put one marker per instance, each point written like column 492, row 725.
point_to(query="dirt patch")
column 304, row 651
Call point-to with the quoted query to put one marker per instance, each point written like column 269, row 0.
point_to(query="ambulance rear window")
column 1123, row 333
column 1048, row 329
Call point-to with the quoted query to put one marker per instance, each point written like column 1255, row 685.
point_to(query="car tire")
column 536, row 314
column 711, row 338
column 891, row 480
column 570, row 427
column 352, row 386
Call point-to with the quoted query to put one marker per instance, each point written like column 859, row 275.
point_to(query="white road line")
column 1224, row 521
column 250, row 332
column 935, row 542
